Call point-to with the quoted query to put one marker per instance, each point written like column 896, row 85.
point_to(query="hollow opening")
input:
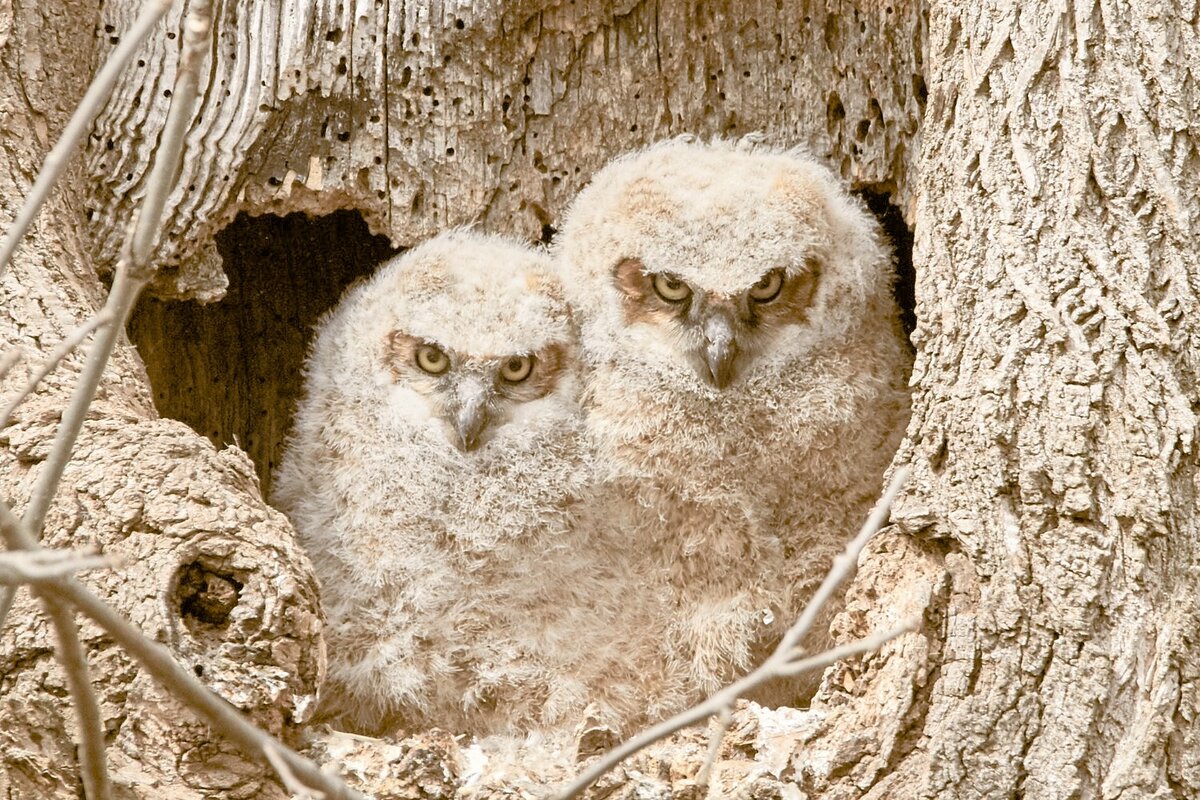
column 232, row 370
column 205, row 597
column 901, row 236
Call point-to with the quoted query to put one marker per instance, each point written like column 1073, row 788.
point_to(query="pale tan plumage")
column 745, row 382
column 433, row 474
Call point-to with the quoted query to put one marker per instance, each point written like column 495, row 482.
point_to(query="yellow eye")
column 517, row 368
column 671, row 288
column 432, row 359
column 768, row 287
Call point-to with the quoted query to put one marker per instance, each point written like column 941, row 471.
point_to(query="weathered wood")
column 1053, row 434
column 207, row 568
column 1049, row 533
column 428, row 115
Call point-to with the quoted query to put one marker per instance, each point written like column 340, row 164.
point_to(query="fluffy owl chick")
column 746, row 380
column 431, row 474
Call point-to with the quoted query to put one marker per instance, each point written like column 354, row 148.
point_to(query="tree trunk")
column 1051, row 522
column 1048, row 538
column 208, row 568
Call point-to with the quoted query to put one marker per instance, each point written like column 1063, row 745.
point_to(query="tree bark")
column 1048, row 538
column 427, row 115
column 208, row 568
column 1052, row 520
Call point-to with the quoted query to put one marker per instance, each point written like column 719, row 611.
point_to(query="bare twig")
column 125, row 289
column 93, row 769
column 167, row 155
column 719, row 729
column 222, row 717
column 796, row 667
column 135, row 270
column 835, row 654
column 158, row 661
column 844, row 564
column 73, row 340
column 74, row 664
column 80, row 122
column 33, row 566
column 120, row 301
column 288, row 778
column 8, row 361
column 786, row 660
column 714, row 705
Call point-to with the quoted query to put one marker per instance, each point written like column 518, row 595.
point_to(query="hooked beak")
column 720, row 349
column 471, row 419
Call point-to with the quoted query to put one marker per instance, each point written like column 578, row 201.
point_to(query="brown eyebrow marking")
column 400, row 354
column 638, row 298
column 795, row 299
column 548, row 367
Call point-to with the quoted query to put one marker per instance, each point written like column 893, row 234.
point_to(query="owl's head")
column 466, row 335
column 708, row 262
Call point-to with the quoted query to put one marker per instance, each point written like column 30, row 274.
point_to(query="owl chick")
column 431, row 474
column 745, row 382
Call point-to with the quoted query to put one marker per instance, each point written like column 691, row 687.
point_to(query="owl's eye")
column 516, row 369
column 768, row 287
column 671, row 288
column 432, row 359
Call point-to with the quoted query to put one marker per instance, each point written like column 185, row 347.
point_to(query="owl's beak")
column 720, row 348
column 472, row 417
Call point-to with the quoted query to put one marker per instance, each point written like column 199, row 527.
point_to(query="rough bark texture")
column 425, row 115
column 1053, row 513
column 209, row 569
column 1049, row 537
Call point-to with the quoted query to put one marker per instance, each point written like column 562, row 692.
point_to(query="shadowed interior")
column 231, row 370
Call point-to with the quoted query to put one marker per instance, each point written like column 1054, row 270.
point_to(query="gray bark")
column 1052, row 519
column 1048, row 540
column 208, row 568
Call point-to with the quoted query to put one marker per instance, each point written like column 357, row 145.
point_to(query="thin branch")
column 715, row 737
column 135, row 270
column 34, row 566
column 73, row 340
column 79, row 124
column 222, row 717
column 8, row 361
column 714, row 705
column 158, row 661
column 167, row 155
column 92, row 762
column 133, row 273
column 74, row 664
column 8, row 593
column 288, row 778
column 844, row 564
column 120, row 301
column 784, row 661
column 835, row 654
